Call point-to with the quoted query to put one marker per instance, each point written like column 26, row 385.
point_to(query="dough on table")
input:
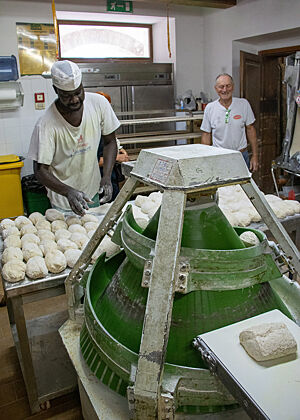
column 20, row 221
column 6, row 223
column 53, row 214
column 14, row 271
column 28, row 229
column 249, row 238
column 73, row 220
column 89, row 218
column 58, row 224
column 62, row 234
column 72, row 256
column 11, row 253
column 31, row 249
column 64, row 244
column 268, row 341
column 36, row 268
column 55, row 261
column 10, row 231
column 36, row 216
column 90, row 226
column 43, row 224
column 76, row 228
column 12, row 240
column 30, row 237
column 47, row 245
column 45, row 234
column 79, row 239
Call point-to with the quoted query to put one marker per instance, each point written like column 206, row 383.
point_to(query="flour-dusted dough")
column 90, row 226
column 10, row 231
column 89, row 218
column 79, row 239
column 76, row 228
column 73, row 220
column 62, row 234
column 140, row 200
column 6, row 223
column 11, row 253
column 20, row 221
column 36, row 268
column 28, row 229
column 12, row 240
column 58, row 224
column 268, row 341
column 43, row 224
column 149, row 206
column 31, row 249
column 53, row 214
column 47, row 245
column 64, row 244
column 36, row 217
column 249, row 238
column 156, row 197
column 55, row 261
column 105, row 246
column 30, row 237
column 45, row 234
column 141, row 218
column 72, row 256
column 14, row 271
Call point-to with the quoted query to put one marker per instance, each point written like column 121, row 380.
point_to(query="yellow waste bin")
column 11, row 202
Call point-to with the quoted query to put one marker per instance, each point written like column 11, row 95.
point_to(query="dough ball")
column 64, row 244
column 295, row 205
column 30, row 250
column 28, row 229
column 43, row 224
column 21, row 221
column 55, row 261
column 14, row 271
column 156, row 197
column 53, row 214
column 36, row 268
column 89, row 218
column 72, row 256
column 244, row 218
column 62, row 234
column 45, row 234
column 268, row 341
column 6, row 223
column 152, row 212
column 30, row 237
column 90, row 226
column 12, row 240
column 249, row 238
column 58, row 224
column 141, row 218
column 36, row 217
column 73, row 220
column 140, row 200
column 91, row 233
column 79, row 239
column 11, row 253
column 47, row 245
column 105, row 246
column 76, row 228
column 148, row 206
column 10, row 231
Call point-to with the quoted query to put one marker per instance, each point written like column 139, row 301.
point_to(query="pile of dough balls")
column 37, row 245
column 239, row 210
column 145, row 207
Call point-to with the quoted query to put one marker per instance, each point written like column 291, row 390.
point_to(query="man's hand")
column 254, row 164
column 78, row 201
column 122, row 156
column 106, row 190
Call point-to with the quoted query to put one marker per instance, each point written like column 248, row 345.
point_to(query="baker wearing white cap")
column 65, row 141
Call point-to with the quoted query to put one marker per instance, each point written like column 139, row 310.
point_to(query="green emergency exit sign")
column 122, row 6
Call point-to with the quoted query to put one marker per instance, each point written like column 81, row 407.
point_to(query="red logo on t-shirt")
column 237, row 117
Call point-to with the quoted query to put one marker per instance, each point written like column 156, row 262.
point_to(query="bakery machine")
column 187, row 273
column 289, row 160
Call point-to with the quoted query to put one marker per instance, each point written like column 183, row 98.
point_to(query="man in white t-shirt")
column 65, row 141
column 228, row 122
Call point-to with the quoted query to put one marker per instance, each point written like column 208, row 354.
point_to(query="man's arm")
column 252, row 139
column 206, row 138
column 78, row 200
column 109, row 158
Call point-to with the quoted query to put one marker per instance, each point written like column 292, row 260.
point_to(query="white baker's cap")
column 66, row 75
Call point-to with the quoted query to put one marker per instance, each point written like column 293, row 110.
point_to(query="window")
column 104, row 41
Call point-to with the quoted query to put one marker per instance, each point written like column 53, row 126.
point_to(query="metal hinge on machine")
column 281, row 259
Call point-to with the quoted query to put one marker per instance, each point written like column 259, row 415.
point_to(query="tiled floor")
column 13, row 399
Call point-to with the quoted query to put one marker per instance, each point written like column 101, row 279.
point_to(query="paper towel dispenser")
column 11, row 91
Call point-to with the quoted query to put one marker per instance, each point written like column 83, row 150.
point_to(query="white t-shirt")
column 228, row 126
column 71, row 152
